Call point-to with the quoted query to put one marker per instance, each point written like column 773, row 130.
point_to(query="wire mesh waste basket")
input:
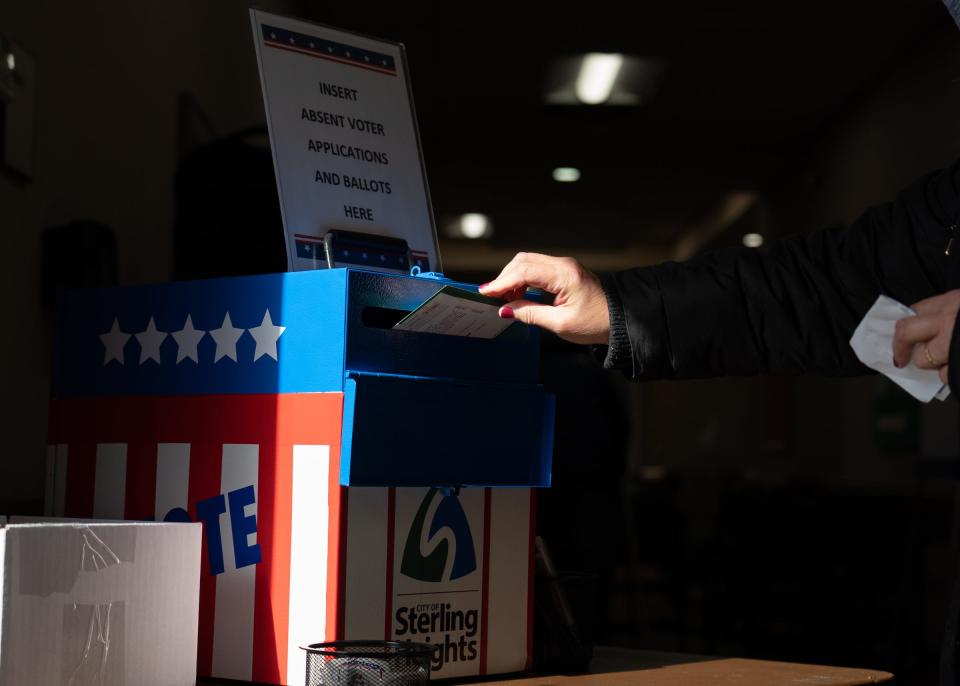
column 368, row 663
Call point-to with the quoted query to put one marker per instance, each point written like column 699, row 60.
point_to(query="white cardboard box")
column 105, row 604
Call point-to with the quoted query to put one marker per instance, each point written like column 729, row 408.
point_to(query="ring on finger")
column 934, row 362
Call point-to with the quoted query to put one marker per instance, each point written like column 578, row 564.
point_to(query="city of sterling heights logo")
column 449, row 515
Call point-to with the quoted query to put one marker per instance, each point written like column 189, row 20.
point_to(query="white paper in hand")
column 873, row 344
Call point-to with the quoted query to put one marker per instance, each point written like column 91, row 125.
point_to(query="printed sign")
column 345, row 145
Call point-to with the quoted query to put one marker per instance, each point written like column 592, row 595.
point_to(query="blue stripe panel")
column 308, row 353
column 416, row 432
column 321, row 47
column 549, row 428
column 346, row 430
column 308, row 250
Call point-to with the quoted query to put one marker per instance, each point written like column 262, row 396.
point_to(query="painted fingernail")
column 506, row 312
column 483, row 285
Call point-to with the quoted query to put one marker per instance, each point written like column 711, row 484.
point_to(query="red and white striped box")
column 291, row 557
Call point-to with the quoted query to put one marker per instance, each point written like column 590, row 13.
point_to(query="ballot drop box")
column 353, row 481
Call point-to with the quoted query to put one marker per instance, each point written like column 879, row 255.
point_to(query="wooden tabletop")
column 624, row 667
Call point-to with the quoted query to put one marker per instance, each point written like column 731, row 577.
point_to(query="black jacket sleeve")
column 789, row 308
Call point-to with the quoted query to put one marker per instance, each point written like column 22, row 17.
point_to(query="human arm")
column 787, row 309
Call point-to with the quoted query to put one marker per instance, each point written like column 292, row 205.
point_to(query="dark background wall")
column 110, row 75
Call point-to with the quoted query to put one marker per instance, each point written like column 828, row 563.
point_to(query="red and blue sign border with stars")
column 284, row 39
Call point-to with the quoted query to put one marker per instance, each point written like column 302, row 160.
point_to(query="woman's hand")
column 925, row 338
column 579, row 311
